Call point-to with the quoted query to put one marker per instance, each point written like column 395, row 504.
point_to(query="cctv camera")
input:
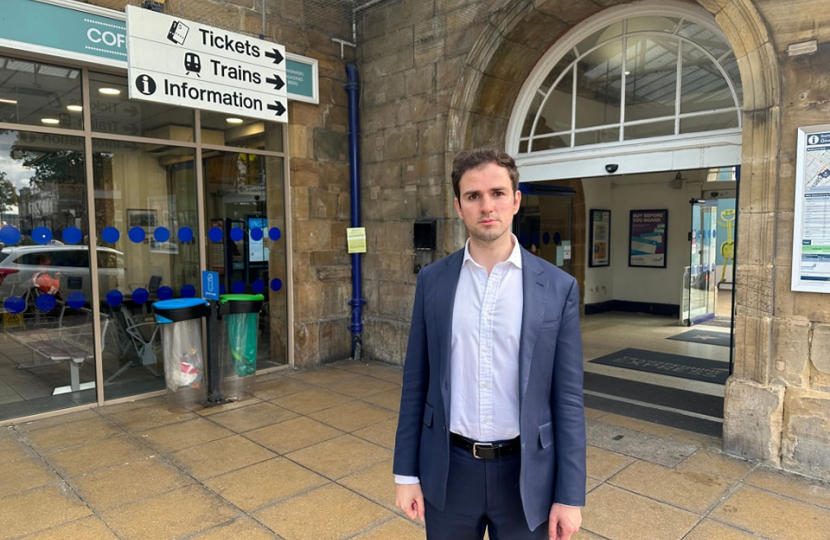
column 611, row 168
column 714, row 194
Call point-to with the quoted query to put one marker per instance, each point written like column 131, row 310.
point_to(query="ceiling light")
column 108, row 91
column 75, row 108
column 50, row 121
column 234, row 120
column 9, row 101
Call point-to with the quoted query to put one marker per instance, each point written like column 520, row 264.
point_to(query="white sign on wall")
column 178, row 62
column 811, row 227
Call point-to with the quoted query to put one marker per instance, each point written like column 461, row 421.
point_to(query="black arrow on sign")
column 276, row 81
column 275, row 55
column 279, row 107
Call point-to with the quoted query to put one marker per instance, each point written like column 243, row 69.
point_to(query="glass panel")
column 145, row 210
column 703, row 86
column 597, row 137
column 598, row 87
column 703, row 269
column 544, row 225
column 113, row 112
column 245, row 207
column 730, row 64
column 709, row 122
column 38, row 94
column 226, row 130
column 651, row 77
column 609, row 32
column 556, row 113
column 705, row 37
column 652, row 24
column 549, row 142
column 45, row 282
column 653, row 129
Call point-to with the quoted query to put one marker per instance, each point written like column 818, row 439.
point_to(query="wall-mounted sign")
column 356, row 239
column 179, row 62
column 46, row 28
column 811, row 226
column 600, row 242
column 647, row 238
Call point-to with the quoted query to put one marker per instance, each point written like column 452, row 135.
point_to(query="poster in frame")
column 648, row 238
column 600, row 238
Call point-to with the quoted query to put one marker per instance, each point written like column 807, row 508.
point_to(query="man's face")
column 487, row 202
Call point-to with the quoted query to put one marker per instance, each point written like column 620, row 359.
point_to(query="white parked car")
column 21, row 268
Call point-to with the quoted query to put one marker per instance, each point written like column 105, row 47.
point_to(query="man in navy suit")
column 491, row 433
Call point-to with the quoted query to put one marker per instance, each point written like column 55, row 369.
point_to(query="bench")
column 74, row 343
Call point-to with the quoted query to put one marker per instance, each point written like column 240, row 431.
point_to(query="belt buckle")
column 482, row 446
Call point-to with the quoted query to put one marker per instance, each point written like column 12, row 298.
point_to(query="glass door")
column 544, row 223
column 701, row 282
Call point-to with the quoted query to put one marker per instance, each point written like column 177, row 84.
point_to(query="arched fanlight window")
column 641, row 77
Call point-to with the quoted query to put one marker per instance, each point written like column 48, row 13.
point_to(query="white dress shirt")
column 484, row 358
column 484, row 362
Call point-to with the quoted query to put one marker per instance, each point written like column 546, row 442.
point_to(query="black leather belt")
column 486, row 450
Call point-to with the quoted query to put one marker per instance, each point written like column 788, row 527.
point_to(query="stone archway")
column 502, row 58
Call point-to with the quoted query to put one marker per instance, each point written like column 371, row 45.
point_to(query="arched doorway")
column 501, row 61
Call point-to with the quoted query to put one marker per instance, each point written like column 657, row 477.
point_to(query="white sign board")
column 811, row 226
column 178, row 62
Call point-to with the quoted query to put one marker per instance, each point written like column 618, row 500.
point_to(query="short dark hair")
column 478, row 157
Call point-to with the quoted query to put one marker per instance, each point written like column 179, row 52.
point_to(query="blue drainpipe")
column 357, row 301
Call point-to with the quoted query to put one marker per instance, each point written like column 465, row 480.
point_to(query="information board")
column 811, row 227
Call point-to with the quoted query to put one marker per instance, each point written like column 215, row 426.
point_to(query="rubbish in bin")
column 242, row 330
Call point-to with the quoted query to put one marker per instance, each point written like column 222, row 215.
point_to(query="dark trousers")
column 481, row 493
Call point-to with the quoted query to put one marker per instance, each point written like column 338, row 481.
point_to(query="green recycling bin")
column 181, row 338
column 238, row 345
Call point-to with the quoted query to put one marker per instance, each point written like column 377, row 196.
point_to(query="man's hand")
column 410, row 499
column 564, row 521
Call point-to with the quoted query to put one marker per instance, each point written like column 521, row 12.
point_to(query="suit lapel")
column 534, row 289
column 442, row 311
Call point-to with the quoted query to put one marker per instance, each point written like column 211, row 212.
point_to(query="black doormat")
column 674, row 365
column 703, row 336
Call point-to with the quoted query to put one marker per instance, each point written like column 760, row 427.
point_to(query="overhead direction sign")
column 180, row 62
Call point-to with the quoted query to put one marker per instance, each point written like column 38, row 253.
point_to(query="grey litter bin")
column 184, row 360
column 238, row 345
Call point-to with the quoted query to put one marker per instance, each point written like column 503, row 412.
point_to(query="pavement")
column 309, row 458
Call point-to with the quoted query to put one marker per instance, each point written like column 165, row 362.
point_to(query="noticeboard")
column 811, row 222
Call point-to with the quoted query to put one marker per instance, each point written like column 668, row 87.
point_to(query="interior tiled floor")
column 309, row 458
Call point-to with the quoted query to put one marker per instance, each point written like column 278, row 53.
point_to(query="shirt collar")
column 515, row 257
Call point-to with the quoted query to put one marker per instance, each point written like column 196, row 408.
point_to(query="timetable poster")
column 811, row 227
column 647, row 238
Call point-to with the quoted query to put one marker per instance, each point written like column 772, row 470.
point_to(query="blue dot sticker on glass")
column 274, row 233
column 10, row 235
column 137, row 235
column 557, row 238
column 238, row 287
column 114, row 298
column 72, row 235
column 110, row 235
column 546, row 238
column 141, row 295
column 45, row 303
column 14, row 304
column 188, row 291
column 258, row 286
column 42, row 235
column 215, row 234
column 256, row 234
column 237, row 234
column 165, row 293
column 185, row 234
column 76, row 300
column 161, row 234
column 276, row 284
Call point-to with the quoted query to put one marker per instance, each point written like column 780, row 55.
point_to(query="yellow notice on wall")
column 356, row 238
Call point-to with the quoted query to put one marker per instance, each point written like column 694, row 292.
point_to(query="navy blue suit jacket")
column 552, row 418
